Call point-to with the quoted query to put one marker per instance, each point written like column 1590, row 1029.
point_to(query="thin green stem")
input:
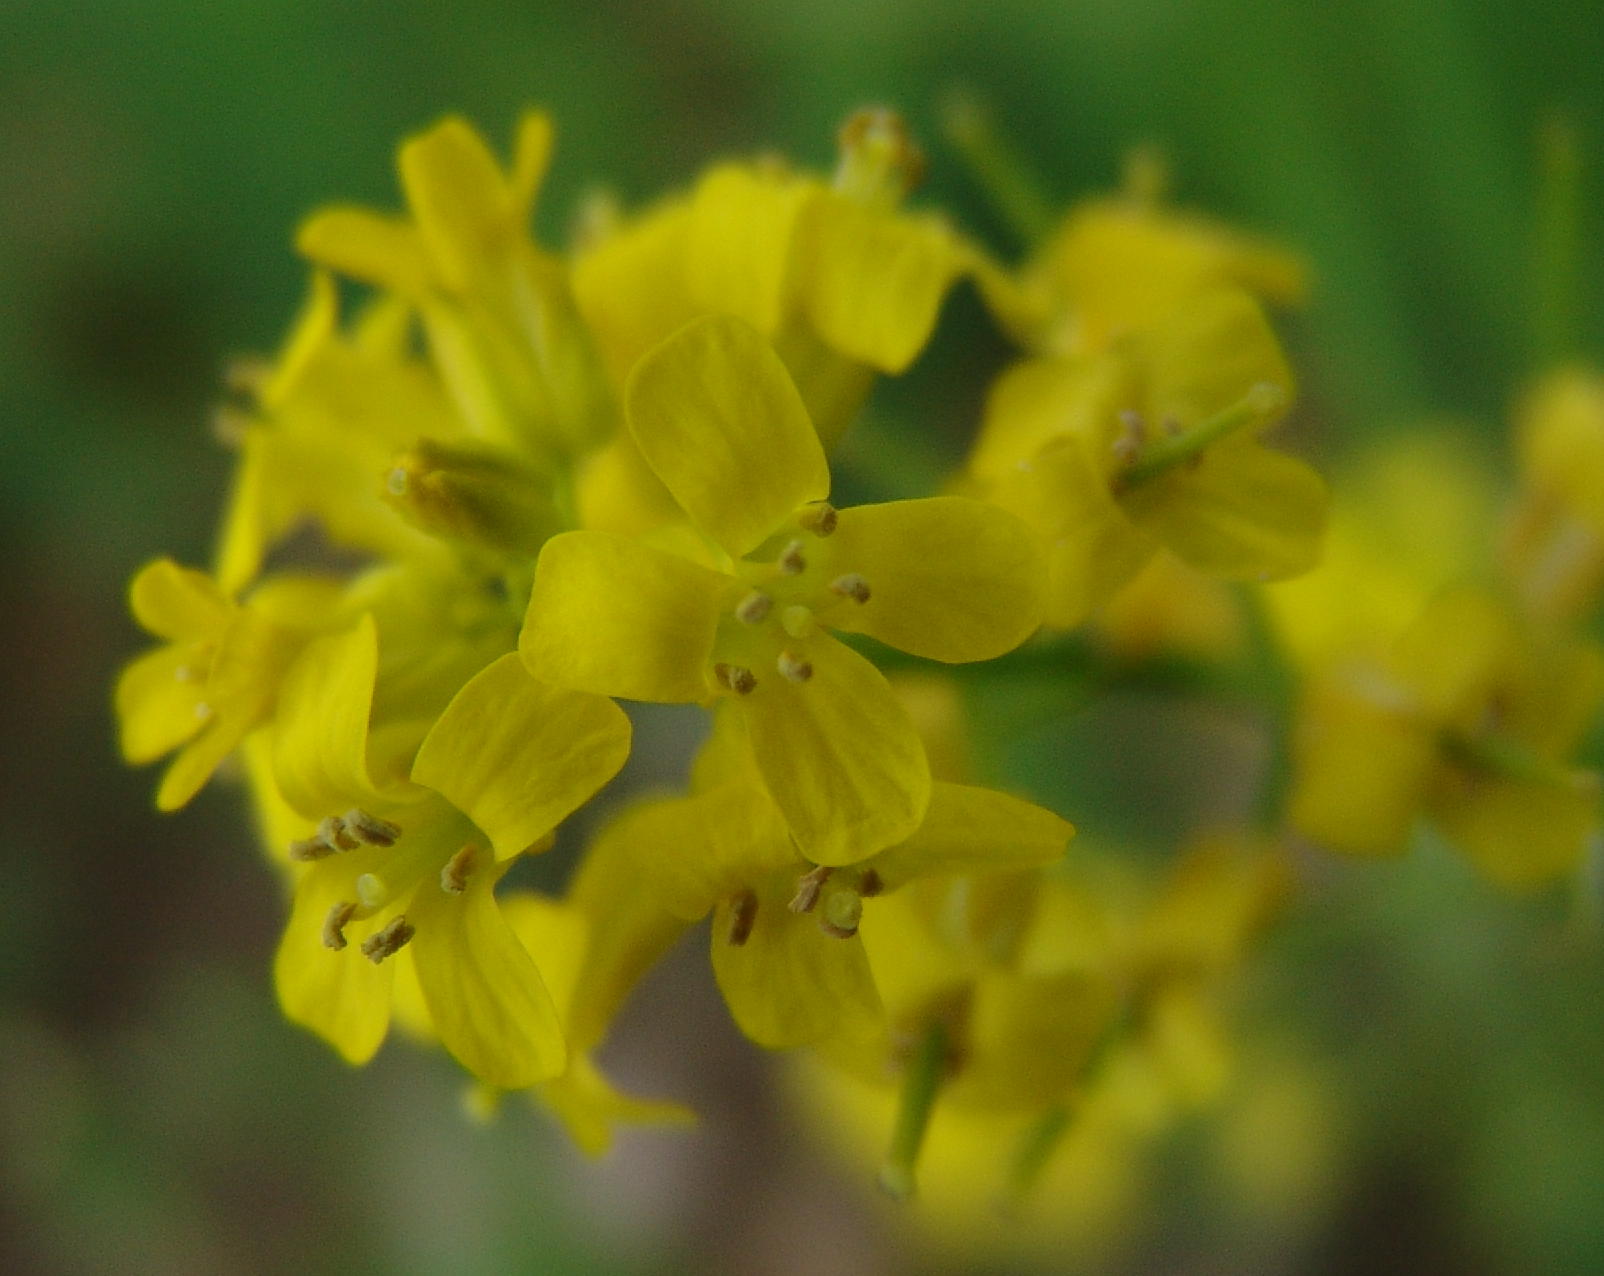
column 1160, row 456
column 1277, row 691
column 1556, row 310
column 922, row 1082
column 998, row 170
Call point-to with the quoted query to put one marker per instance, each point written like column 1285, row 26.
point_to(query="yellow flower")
column 1470, row 722
column 216, row 678
column 498, row 312
column 402, row 844
column 1553, row 547
column 714, row 413
column 1154, row 443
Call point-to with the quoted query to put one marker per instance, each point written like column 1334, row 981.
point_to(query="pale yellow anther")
column 841, row 913
column 334, row 924
column 808, row 887
column 454, row 876
column 743, row 915
column 372, row 891
column 792, row 563
column 369, row 828
column 333, row 831
column 799, row 621
column 852, row 586
column 389, row 941
column 737, row 678
column 754, row 609
column 820, row 518
column 793, row 667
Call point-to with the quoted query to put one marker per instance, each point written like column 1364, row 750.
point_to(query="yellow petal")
column 321, row 736
column 1038, row 401
column 531, row 157
column 1520, row 833
column 1207, row 355
column 589, row 1107
column 949, row 578
column 465, row 211
column 158, row 704
column 1092, row 546
column 341, row 996
column 178, row 603
column 196, row 762
column 719, row 420
column 615, row 617
column 875, row 278
column 1244, row 512
column 839, row 756
column 972, row 830
column 790, row 983
column 364, row 245
column 483, row 991
column 738, row 256
column 518, row 756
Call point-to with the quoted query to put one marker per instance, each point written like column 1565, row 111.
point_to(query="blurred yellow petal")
column 972, row 830
column 518, row 756
column 839, row 756
column 589, row 1107
column 717, row 417
column 321, row 736
column 367, row 246
column 158, row 704
column 949, row 578
column 464, row 209
column 1520, row 833
column 531, row 157
column 178, row 603
column 615, row 617
column 738, row 257
column 1207, row 355
column 483, row 990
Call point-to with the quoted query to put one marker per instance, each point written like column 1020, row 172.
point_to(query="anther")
column 334, row 925
column 737, row 678
column 851, row 586
column 333, row 831
column 793, row 667
column 791, row 561
column 306, row 850
column 743, row 914
column 369, row 828
column 841, row 913
column 870, row 883
column 819, row 518
column 808, row 887
column 754, row 609
column 389, row 941
column 454, row 876
column 1133, row 434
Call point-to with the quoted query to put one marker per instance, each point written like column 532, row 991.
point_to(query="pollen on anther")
column 389, row 941
column 792, row 563
column 333, row 831
column 308, row 849
column 743, row 916
column 334, row 924
column 851, row 586
column 820, row 518
column 808, row 887
column 454, row 876
column 369, row 828
column 793, row 667
column 1133, row 434
column 737, row 678
column 870, row 883
column 754, row 609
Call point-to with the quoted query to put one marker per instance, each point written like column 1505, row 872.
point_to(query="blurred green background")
column 154, row 158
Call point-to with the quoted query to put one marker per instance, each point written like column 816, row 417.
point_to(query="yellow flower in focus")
column 1470, row 722
column 216, row 678
column 715, row 414
column 1153, row 443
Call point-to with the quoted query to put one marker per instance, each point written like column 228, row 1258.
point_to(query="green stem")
column 1556, row 314
column 1260, row 403
column 998, row 170
column 926, row 1071
column 1277, row 686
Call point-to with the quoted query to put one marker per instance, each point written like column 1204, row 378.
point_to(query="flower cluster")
column 558, row 479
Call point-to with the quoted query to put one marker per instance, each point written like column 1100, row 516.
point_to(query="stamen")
column 842, row 912
column 1128, row 446
column 202, row 710
column 793, row 667
column 372, row 891
column 808, row 887
column 334, row 925
column 369, row 828
column 754, row 609
column 332, row 831
column 819, row 518
column 743, row 915
column 798, row 621
column 454, row 876
column 851, row 586
column 389, row 941
column 307, row 850
column 791, row 561
column 870, row 883
column 737, row 678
